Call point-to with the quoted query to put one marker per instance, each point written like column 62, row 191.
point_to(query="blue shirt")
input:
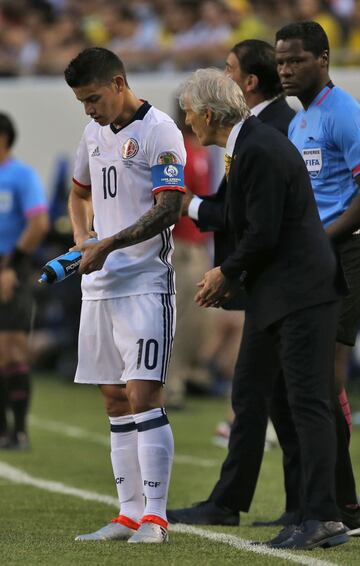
column 327, row 135
column 21, row 197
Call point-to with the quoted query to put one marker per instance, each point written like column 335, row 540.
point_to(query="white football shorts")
column 125, row 338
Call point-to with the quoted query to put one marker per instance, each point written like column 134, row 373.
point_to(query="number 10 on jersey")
column 109, row 176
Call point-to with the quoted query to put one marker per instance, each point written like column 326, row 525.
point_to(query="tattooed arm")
column 164, row 213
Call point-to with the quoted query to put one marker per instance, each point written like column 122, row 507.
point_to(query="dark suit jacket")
column 278, row 114
column 212, row 210
column 281, row 245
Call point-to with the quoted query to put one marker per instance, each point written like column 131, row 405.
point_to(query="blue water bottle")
column 63, row 266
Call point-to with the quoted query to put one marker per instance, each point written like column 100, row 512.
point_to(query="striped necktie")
column 227, row 160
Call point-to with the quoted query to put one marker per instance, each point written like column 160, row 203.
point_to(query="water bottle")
column 63, row 266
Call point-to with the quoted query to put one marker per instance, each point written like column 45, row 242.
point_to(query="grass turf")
column 38, row 527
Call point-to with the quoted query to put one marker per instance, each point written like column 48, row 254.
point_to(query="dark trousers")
column 280, row 415
column 302, row 344
column 255, row 371
column 344, row 476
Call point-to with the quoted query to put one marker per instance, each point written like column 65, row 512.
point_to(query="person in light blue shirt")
column 21, row 199
column 327, row 134
column 23, row 225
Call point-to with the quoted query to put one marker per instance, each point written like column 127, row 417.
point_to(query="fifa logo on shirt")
column 152, row 483
column 6, row 201
column 313, row 160
column 171, row 171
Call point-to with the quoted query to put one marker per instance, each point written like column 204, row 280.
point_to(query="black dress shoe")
column 283, row 535
column 351, row 517
column 312, row 534
column 204, row 513
column 287, row 518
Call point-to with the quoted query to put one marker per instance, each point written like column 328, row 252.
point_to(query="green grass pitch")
column 69, row 434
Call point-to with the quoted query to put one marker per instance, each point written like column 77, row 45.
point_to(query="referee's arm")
column 349, row 221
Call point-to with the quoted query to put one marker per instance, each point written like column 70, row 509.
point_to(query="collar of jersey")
column 322, row 94
column 139, row 115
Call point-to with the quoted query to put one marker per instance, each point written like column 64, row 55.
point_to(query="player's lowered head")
column 98, row 78
column 302, row 56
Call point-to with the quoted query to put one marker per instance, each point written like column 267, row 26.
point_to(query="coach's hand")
column 213, row 289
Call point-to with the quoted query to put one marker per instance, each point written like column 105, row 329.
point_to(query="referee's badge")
column 6, row 201
column 130, row 148
column 313, row 160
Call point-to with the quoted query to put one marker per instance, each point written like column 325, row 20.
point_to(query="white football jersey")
column 124, row 168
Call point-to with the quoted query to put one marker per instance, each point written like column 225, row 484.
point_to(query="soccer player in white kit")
column 128, row 182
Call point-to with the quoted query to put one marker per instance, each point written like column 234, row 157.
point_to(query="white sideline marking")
column 16, row 475
column 70, row 431
column 80, row 433
column 243, row 544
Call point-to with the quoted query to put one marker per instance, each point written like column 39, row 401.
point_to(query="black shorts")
column 349, row 320
column 16, row 314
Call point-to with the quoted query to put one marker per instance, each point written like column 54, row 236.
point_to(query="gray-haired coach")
column 290, row 273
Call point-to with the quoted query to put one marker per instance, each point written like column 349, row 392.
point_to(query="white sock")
column 125, row 463
column 156, row 453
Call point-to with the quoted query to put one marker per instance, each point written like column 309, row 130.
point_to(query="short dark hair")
column 258, row 58
column 313, row 36
column 94, row 65
column 7, row 127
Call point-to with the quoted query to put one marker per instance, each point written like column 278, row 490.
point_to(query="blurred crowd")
column 41, row 36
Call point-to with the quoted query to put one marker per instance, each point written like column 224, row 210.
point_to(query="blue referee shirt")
column 327, row 135
column 21, row 196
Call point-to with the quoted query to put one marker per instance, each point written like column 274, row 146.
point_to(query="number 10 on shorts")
column 147, row 353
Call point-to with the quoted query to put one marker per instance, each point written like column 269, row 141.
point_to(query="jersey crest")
column 130, row 148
